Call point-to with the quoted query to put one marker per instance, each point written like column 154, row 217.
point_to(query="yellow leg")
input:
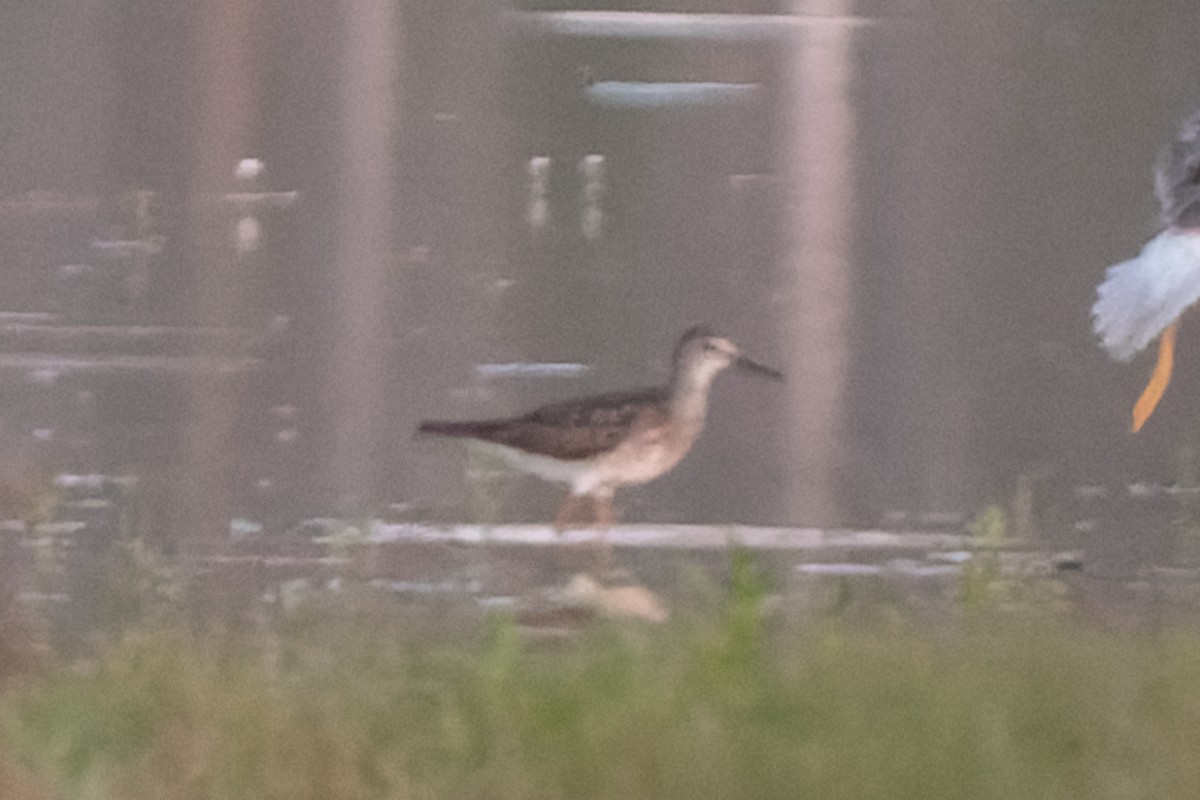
column 1158, row 379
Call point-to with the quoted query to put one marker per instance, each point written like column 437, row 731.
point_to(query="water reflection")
column 904, row 205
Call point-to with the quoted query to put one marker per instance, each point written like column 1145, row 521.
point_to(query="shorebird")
column 598, row 443
column 1143, row 298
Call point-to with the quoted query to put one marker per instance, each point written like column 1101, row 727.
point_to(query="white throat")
column 689, row 390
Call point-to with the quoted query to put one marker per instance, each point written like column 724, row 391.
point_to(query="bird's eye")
column 709, row 347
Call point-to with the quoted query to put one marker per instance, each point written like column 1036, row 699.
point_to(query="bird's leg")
column 567, row 511
column 1158, row 379
column 602, row 513
column 602, row 510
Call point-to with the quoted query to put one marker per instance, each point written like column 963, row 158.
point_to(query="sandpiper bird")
column 1145, row 296
column 596, row 444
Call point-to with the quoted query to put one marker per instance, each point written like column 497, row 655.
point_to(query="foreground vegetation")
column 726, row 700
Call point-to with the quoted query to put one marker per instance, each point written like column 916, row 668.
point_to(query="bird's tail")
column 1141, row 297
column 456, row 429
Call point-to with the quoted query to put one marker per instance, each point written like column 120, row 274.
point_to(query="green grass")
column 726, row 701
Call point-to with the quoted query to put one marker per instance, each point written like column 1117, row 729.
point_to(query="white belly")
column 636, row 461
column 548, row 469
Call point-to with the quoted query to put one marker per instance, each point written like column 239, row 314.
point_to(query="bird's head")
column 702, row 353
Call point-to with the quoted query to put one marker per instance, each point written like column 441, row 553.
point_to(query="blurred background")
column 246, row 245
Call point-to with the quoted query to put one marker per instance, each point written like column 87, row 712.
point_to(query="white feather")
column 1139, row 298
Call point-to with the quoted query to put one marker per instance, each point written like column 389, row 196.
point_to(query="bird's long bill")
column 753, row 366
column 1159, row 379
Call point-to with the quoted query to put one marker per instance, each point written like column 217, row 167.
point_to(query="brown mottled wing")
column 578, row 429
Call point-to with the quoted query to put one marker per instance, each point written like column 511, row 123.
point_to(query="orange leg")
column 1158, row 379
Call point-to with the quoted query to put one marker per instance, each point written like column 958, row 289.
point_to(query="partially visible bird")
column 1143, row 298
column 599, row 443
